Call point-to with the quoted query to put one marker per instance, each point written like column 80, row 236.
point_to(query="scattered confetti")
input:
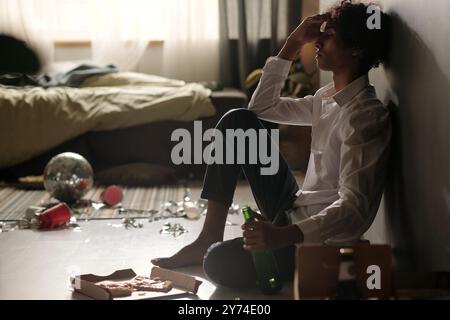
column 175, row 230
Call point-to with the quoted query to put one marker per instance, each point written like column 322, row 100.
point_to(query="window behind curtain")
column 76, row 20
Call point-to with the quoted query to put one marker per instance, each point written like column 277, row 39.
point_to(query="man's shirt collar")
column 352, row 90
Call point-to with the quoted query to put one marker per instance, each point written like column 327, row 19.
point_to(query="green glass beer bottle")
column 268, row 275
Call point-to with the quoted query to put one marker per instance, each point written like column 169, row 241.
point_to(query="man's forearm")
column 290, row 50
column 291, row 235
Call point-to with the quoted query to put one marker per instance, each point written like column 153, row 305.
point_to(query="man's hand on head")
column 307, row 31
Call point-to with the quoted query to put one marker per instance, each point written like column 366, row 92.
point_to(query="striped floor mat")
column 14, row 202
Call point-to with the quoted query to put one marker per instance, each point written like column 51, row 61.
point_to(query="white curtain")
column 120, row 36
column 191, row 47
column 120, row 30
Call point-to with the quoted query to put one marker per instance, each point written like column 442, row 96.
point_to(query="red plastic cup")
column 112, row 196
column 54, row 217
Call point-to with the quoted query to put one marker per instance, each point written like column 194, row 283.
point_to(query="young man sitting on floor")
column 351, row 132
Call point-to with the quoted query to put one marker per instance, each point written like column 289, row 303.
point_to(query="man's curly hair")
column 350, row 20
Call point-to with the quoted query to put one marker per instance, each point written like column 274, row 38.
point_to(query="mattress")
column 147, row 143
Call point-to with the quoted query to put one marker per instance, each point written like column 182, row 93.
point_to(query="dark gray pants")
column 227, row 263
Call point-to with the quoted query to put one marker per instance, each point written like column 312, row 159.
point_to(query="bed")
column 113, row 120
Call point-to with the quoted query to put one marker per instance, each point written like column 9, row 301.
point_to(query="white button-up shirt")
column 351, row 132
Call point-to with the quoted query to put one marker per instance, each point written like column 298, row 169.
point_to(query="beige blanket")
column 34, row 120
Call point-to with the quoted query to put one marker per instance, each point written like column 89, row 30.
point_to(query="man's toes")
column 158, row 262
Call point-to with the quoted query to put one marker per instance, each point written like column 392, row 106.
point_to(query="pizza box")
column 183, row 285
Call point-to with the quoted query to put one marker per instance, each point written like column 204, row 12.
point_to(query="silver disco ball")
column 68, row 176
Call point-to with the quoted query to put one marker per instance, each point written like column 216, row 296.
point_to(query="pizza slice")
column 117, row 289
column 140, row 283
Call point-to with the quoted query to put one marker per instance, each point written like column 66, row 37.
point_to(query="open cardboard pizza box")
column 183, row 284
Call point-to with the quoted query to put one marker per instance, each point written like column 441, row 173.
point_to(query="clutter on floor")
column 127, row 285
column 70, row 196
column 172, row 214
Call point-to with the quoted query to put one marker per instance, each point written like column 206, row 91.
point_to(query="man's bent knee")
column 237, row 118
column 225, row 264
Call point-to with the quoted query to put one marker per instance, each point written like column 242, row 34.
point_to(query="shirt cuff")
column 310, row 230
column 278, row 66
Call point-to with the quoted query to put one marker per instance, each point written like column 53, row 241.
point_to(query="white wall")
column 415, row 216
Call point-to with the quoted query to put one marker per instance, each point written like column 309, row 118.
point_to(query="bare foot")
column 192, row 254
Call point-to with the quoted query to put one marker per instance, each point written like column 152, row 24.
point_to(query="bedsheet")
column 34, row 120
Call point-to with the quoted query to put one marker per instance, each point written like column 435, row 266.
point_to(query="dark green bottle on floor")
column 269, row 280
